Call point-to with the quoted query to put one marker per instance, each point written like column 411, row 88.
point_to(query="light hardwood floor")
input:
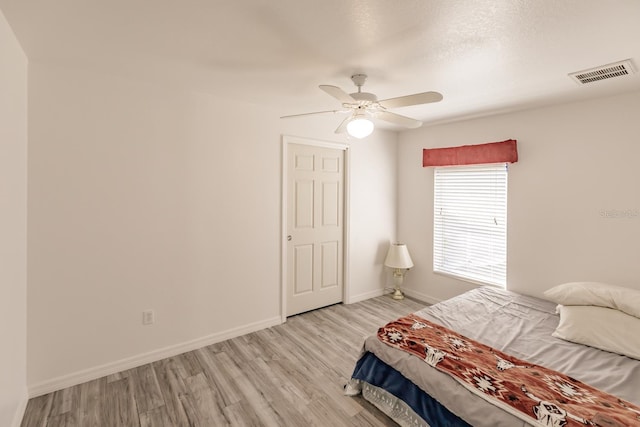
column 287, row 375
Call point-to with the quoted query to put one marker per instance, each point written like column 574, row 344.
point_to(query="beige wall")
column 578, row 169
column 13, row 226
column 144, row 197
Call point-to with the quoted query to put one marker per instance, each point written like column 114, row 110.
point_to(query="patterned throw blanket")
column 533, row 393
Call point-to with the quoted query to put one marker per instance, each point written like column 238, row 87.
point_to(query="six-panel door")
column 315, row 208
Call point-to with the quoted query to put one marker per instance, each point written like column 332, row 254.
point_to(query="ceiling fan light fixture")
column 359, row 127
column 364, row 106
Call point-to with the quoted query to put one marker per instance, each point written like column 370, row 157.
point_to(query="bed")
column 413, row 393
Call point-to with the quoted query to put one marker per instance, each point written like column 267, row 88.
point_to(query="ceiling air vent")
column 609, row 71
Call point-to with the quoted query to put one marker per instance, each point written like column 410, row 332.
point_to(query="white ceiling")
column 484, row 56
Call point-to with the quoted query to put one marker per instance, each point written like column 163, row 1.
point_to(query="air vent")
column 609, row 71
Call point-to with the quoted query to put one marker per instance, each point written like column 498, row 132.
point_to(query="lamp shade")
column 398, row 256
column 359, row 127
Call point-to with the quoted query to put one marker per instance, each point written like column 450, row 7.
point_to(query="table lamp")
column 399, row 260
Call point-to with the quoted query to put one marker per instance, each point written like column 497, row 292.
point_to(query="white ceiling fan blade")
column 398, row 119
column 415, row 99
column 337, row 93
column 312, row 114
column 343, row 126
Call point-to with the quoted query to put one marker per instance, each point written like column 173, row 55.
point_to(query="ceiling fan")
column 363, row 106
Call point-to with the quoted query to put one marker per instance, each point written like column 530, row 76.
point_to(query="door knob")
column 289, row 238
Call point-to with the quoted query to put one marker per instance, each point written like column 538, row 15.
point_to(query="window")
column 470, row 222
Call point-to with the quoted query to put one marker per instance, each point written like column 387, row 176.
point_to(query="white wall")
column 578, row 167
column 13, row 226
column 145, row 197
column 373, row 213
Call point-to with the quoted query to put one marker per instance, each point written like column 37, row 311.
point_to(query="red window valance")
column 492, row 152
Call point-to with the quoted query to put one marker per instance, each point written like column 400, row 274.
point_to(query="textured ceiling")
column 483, row 56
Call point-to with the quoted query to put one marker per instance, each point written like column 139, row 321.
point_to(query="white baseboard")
column 90, row 374
column 379, row 292
column 364, row 296
column 420, row 296
column 22, row 406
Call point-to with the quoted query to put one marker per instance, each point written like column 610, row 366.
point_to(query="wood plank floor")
column 288, row 375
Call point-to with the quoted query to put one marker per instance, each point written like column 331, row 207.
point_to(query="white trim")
column 420, row 296
column 85, row 375
column 22, row 406
column 346, row 271
column 291, row 139
column 286, row 140
column 428, row 299
column 365, row 296
column 283, row 229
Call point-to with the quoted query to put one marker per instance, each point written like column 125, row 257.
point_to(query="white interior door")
column 315, row 212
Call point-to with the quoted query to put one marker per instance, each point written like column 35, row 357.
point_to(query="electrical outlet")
column 148, row 317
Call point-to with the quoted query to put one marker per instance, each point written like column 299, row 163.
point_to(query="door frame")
column 286, row 141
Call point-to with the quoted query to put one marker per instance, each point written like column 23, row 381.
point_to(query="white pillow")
column 600, row 327
column 594, row 293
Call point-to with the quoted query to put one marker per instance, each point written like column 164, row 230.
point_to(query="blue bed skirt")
column 374, row 371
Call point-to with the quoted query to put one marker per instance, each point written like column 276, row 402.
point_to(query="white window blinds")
column 470, row 222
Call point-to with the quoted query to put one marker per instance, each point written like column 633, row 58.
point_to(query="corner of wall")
column 13, row 226
column 22, row 406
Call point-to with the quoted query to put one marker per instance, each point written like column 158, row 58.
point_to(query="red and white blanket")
column 533, row 393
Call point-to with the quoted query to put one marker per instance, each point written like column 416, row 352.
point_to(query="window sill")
column 468, row 280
